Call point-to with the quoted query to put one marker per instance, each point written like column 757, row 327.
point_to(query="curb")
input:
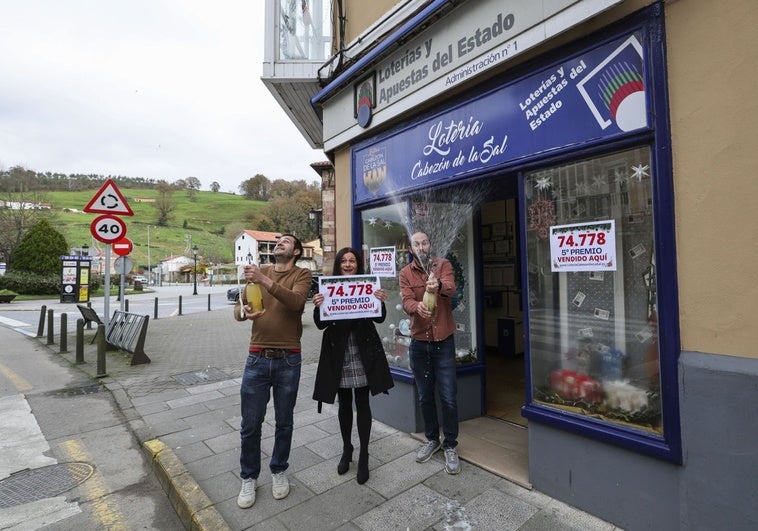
column 193, row 506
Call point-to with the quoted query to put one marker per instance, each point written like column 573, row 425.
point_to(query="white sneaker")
column 246, row 498
column 452, row 463
column 280, row 486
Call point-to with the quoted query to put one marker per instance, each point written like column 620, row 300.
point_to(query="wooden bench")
column 127, row 331
column 90, row 316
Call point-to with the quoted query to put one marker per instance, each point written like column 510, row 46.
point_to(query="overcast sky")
column 162, row 89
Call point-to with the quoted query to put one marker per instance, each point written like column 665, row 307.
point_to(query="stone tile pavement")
column 190, row 430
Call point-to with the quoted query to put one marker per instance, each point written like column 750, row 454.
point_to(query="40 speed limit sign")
column 108, row 229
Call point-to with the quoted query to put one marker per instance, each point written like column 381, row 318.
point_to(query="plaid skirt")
column 353, row 374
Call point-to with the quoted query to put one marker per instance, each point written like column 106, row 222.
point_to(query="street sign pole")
column 121, row 290
column 107, row 294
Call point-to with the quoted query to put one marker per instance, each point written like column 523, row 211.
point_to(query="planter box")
column 7, row 298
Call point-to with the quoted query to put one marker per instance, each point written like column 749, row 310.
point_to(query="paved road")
column 68, row 460
column 25, row 315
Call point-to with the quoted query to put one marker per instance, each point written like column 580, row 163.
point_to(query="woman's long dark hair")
column 338, row 260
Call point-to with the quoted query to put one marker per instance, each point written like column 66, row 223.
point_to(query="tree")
column 40, row 250
column 256, row 188
column 164, row 203
column 19, row 209
column 215, row 187
column 287, row 215
column 18, row 180
column 193, row 183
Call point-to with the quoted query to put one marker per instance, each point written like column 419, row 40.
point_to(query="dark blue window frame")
column 667, row 446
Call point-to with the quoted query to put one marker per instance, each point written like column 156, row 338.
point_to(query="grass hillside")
column 212, row 222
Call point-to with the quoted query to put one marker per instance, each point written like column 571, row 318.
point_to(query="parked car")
column 233, row 294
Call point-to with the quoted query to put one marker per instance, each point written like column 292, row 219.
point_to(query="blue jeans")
column 261, row 375
column 433, row 365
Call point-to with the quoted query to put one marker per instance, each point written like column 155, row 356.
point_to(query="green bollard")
column 80, row 341
column 50, row 331
column 41, row 326
column 64, row 332
column 101, row 351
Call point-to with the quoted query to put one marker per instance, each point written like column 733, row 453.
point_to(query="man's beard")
column 423, row 259
column 283, row 257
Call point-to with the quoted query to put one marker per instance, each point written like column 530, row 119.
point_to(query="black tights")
column 345, row 416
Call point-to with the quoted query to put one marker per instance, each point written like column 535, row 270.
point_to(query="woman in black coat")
column 352, row 360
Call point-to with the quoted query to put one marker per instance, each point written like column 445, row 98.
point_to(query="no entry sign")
column 123, row 246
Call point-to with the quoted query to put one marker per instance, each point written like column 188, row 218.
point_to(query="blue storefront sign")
column 596, row 95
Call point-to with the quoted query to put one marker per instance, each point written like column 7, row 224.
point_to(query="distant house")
column 170, row 269
column 256, row 246
column 144, row 200
column 25, row 205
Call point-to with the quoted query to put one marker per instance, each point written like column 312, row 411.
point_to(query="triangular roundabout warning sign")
column 108, row 200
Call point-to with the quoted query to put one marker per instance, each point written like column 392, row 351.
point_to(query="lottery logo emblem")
column 615, row 90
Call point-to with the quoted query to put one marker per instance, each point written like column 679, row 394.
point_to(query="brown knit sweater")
column 281, row 325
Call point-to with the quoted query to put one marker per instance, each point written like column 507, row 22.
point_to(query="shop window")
column 592, row 306
column 388, row 226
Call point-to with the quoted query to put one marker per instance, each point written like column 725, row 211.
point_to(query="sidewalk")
column 184, row 410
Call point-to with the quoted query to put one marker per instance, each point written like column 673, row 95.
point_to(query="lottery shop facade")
column 570, row 171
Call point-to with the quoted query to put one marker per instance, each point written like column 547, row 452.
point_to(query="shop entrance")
column 502, row 312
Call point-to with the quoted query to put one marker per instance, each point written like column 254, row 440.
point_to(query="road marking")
column 16, row 379
column 96, row 492
column 12, row 322
column 37, row 514
column 23, row 444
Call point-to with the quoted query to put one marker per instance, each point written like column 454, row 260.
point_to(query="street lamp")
column 194, row 252
column 315, row 215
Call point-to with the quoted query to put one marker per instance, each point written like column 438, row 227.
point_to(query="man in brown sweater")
column 273, row 363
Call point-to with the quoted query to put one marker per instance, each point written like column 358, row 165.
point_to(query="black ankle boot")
column 362, row 475
column 347, row 456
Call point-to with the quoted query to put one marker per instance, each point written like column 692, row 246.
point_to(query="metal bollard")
column 126, row 305
column 50, row 336
column 80, row 341
column 180, row 304
column 155, row 309
column 64, row 332
column 41, row 326
column 100, row 351
column 209, row 302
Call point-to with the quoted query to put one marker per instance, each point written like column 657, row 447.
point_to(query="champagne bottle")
column 430, row 299
column 254, row 296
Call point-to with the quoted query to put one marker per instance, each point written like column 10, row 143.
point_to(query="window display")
column 387, row 226
column 592, row 290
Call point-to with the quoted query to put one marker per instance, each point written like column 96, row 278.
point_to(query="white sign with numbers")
column 108, row 229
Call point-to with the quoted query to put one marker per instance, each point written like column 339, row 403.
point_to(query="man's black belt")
column 273, row 353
